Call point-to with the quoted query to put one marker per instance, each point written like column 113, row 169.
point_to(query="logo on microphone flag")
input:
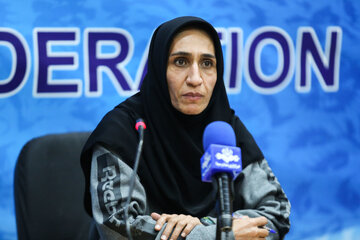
column 220, row 158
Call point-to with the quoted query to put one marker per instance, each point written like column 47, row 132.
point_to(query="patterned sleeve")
column 109, row 187
column 263, row 196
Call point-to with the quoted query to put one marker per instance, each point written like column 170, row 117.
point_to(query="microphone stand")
column 140, row 127
column 224, row 207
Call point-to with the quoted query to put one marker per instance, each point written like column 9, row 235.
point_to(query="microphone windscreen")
column 220, row 133
column 140, row 122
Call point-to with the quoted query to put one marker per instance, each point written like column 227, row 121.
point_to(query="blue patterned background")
column 311, row 140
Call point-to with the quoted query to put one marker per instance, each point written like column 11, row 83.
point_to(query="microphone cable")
column 140, row 127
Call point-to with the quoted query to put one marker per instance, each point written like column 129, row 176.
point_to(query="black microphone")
column 220, row 164
column 140, row 126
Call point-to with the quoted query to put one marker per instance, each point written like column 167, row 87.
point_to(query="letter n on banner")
column 325, row 65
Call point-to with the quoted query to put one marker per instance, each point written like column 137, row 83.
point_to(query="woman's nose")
column 194, row 77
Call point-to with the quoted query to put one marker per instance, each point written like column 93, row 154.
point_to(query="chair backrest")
column 49, row 188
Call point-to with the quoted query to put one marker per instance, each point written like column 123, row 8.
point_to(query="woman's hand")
column 177, row 224
column 246, row 228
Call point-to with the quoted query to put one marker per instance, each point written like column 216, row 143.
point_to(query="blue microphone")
column 221, row 153
column 220, row 164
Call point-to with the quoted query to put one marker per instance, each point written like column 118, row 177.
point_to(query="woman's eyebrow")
column 182, row 53
column 208, row 55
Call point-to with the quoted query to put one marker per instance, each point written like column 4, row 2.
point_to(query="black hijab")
column 170, row 164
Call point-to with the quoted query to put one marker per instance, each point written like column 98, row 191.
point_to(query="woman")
column 181, row 94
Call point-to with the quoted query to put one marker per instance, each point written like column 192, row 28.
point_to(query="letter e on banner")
column 46, row 61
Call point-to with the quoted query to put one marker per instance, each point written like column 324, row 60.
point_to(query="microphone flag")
column 221, row 153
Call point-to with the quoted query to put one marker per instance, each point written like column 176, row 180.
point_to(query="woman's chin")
column 192, row 110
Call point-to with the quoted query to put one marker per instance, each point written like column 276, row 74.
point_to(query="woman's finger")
column 259, row 221
column 155, row 216
column 176, row 225
column 190, row 226
column 171, row 223
column 161, row 220
column 250, row 228
column 262, row 232
column 179, row 223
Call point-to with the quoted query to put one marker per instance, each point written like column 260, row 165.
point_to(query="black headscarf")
column 170, row 163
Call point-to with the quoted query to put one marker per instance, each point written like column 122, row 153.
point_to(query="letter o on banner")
column 269, row 84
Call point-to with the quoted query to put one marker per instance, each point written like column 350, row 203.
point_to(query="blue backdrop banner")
column 291, row 73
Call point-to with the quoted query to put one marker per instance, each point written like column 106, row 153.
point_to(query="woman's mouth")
column 193, row 96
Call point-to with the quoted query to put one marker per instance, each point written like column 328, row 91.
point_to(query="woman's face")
column 191, row 71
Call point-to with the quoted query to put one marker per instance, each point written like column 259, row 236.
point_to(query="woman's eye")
column 180, row 62
column 207, row 63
